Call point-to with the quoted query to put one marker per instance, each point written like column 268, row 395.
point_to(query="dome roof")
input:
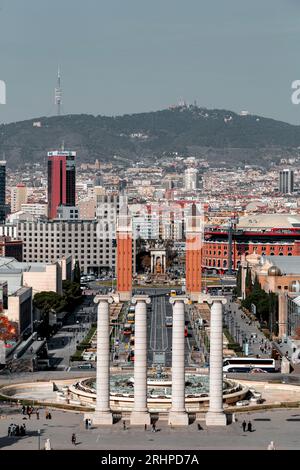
column 274, row 271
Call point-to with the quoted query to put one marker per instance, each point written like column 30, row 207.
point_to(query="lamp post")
column 39, row 439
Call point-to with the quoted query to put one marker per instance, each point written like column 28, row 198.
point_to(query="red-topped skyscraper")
column 61, row 180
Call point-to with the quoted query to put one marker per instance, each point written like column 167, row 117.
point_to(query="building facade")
column 2, row 190
column 61, row 180
column 89, row 242
column 11, row 248
column 286, row 181
column 18, row 197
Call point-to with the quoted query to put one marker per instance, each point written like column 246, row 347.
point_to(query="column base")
column 216, row 418
column 124, row 296
column 178, row 418
column 104, row 418
column 140, row 418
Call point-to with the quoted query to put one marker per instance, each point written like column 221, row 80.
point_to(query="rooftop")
column 286, row 264
column 270, row 221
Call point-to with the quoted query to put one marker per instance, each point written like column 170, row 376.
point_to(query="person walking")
column 249, row 428
column 86, row 424
column 74, row 439
column 37, row 414
column 271, row 446
column 244, row 424
column 47, row 444
column 124, row 425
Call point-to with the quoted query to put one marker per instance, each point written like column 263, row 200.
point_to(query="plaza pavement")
column 281, row 426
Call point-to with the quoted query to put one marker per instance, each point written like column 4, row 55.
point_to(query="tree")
column 248, row 281
column 238, row 289
column 77, row 273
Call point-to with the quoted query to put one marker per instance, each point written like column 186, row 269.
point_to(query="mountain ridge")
column 206, row 133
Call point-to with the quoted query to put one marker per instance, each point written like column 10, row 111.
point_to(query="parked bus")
column 248, row 364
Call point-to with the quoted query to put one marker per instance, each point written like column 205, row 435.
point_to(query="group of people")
column 16, row 430
column 264, row 347
column 29, row 410
column 247, row 427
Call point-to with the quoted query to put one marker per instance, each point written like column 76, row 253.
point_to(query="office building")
column 18, row 197
column 61, row 180
column 286, row 181
column 2, row 190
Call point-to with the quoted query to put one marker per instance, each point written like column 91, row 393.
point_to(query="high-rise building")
column 191, row 179
column 286, row 181
column 61, row 180
column 18, row 197
column 2, row 190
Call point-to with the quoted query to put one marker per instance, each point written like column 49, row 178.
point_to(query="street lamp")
column 39, row 439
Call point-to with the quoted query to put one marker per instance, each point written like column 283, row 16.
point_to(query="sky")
column 129, row 56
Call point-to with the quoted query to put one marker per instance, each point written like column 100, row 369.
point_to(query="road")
column 160, row 335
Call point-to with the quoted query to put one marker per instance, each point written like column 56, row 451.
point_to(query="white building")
column 191, row 178
column 91, row 242
column 36, row 209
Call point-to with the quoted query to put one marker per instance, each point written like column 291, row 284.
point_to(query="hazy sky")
column 127, row 56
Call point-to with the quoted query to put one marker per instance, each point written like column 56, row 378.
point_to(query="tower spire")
column 58, row 93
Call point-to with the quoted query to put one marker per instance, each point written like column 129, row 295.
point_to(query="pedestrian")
column 244, row 424
column 86, row 424
column 271, row 446
column 23, row 409
column 37, row 414
column 153, row 427
column 9, row 431
column 145, row 427
column 249, row 428
column 124, row 425
column 74, row 439
column 47, row 444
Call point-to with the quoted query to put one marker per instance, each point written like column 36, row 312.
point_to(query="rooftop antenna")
column 58, row 93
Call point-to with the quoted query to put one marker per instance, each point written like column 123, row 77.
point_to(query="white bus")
column 248, row 364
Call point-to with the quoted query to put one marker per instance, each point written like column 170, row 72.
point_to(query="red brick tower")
column 124, row 255
column 193, row 255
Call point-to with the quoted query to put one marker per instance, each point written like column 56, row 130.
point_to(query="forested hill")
column 218, row 134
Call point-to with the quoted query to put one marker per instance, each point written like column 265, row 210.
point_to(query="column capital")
column 179, row 298
column 217, row 298
column 141, row 298
column 104, row 298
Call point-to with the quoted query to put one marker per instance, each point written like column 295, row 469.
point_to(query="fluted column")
column 215, row 415
column 140, row 414
column 177, row 414
column 103, row 414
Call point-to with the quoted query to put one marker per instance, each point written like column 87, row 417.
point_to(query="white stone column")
column 215, row 415
column 140, row 414
column 177, row 414
column 103, row 414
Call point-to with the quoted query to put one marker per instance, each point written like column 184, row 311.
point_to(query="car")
column 85, row 366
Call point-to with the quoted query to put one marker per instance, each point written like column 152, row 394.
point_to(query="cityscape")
column 149, row 282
